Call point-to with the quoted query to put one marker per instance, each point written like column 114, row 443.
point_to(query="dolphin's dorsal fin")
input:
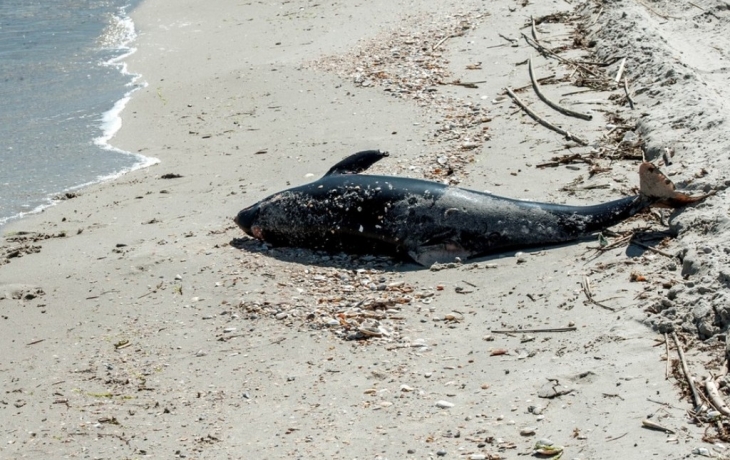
column 657, row 187
column 357, row 162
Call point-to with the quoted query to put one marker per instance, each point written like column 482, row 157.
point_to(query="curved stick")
column 563, row 110
column 543, row 122
column 695, row 396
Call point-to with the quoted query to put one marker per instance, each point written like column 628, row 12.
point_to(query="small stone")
column 528, row 431
column 178, row 277
column 405, row 388
column 441, row 453
column 444, row 404
column 282, row 315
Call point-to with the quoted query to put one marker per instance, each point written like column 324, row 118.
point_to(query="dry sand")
column 138, row 321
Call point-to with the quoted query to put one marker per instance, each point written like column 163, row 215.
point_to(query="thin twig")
column 620, row 70
column 661, row 15
column 534, row 32
column 540, row 80
column 543, row 122
column 552, row 54
column 441, row 42
column 628, row 93
column 663, row 404
column 589, row 294
column 563, row 110
column 611, row 61
column 513, row 42
column 466, row 84
column 531, row 331
column 695, row 395
column 597, row 16
column 666, row 348
column 658, row 251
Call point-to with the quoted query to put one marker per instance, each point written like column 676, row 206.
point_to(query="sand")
column 138, row 321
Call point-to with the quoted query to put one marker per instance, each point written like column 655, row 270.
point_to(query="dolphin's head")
column 246, row 219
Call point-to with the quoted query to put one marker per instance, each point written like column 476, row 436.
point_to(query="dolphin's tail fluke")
column 655, row 186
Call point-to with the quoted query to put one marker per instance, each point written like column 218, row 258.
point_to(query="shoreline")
column 139, row 321
column 109, row 121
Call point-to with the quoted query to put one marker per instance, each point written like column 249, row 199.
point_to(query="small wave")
column 118, row 36
column 116, row 39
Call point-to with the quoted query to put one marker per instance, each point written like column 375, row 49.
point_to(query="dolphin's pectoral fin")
column 358, row 162
column 441, row 252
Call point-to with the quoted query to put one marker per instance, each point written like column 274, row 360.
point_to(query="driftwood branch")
column 714, row 395
column 563, row 110
column 532, row 331
column 544, row 122
column 695, row 396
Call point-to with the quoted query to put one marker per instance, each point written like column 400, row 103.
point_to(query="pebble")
column 405, row 388
column 441, row 453
column 528, row 431
column 444, row 404
column 477, row 457
column 282, row 315
column 178, row 277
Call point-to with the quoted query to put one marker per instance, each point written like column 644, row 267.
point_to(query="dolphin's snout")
column 246, row 219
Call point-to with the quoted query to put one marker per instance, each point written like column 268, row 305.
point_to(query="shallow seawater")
column 62, row 85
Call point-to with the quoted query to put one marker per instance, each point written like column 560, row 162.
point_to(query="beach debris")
column 23, row 292
column 685, row 370
column 66, row 196
column 122, row 344
column 530, row 331
column 553, row 389
column 171, row 176
column 547, row 448
column 353, row 304
column 589, row 294
column 542, row 121
column 528, row 431
column 714, row 395
column 407, row 64
column 553, row 105
column 646, row 423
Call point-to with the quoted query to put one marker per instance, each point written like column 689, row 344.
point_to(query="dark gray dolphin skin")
column 427, row 221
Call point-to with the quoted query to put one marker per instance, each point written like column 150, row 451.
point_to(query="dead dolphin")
column 428, row 221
